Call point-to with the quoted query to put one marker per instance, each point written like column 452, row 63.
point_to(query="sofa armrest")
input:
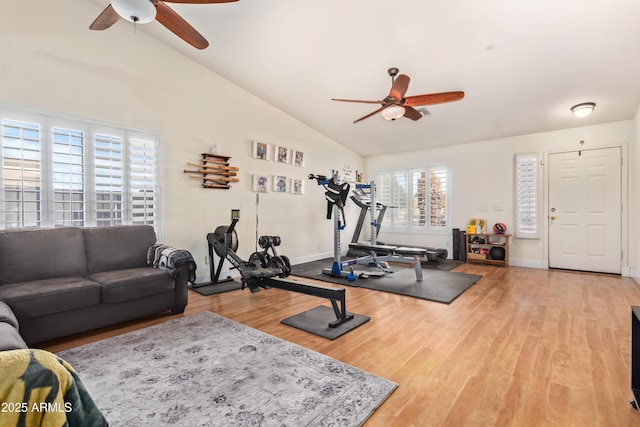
column 169, row 258
column 180, row 265
column 182, row 287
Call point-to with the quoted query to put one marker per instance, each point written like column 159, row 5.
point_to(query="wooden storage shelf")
column 477, row 242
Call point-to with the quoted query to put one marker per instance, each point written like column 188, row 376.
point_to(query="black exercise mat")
column 216, row 288
column 316, row 321
column 446, row 265
column 437, row 285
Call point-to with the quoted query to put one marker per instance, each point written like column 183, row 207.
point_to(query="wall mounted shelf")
column 214, row 171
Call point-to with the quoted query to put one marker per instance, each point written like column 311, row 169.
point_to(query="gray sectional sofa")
column 63, row 281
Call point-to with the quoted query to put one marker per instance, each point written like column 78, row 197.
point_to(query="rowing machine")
column 266, row 269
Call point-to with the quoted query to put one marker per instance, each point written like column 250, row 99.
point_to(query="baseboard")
column 529, row 263
column 543, row 264
column 310, row 258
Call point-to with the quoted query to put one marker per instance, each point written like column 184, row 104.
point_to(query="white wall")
column 481, row 180
column 634, row 193
column 59, row 66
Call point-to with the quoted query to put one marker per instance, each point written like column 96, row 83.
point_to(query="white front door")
column 585, row 210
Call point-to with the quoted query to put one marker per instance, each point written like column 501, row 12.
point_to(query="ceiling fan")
column 145, row 11
column 396, row 105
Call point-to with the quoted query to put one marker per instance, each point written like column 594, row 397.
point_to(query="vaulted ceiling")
column 522, row 65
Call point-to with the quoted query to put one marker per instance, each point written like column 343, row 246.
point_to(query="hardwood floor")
column 522, row 347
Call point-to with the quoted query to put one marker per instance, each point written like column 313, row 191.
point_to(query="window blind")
column 526, row 197
column 57, row 172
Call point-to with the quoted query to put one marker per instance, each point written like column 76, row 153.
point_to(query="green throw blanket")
column 37, row 388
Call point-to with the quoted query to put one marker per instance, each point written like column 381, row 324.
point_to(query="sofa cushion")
column 27, row 255
column 41, row 297
column 7, row 316
column 132, row 283
column 118, row 247
column 10, row 339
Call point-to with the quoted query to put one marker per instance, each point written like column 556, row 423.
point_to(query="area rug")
column 206, row 370
column 437, row 285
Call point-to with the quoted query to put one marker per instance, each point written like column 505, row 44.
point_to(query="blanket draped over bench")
column 38, row 388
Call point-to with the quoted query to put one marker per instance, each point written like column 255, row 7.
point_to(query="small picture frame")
column 260, row 183
column 281, row 154
column 297, row 186
column 260, row 150
column 280, row 184
column 297, row 158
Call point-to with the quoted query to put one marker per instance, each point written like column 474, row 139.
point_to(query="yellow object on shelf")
column 475, row 223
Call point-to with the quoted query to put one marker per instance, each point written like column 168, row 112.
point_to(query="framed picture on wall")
column 280, row 184
column 297, row 186
column 297, row 158
column 260, row 183
column 281, row 154
column 260, row 150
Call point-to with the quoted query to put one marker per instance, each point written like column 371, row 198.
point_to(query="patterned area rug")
column 206, row 370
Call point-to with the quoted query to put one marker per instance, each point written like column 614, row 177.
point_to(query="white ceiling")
column 521, row 64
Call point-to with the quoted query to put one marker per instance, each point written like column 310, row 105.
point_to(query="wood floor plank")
column 520, row 347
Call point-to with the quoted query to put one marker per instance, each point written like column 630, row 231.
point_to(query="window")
column 109, row 179
column 21, row 167
column 59, row 173
column 418, row 198
column 526, row 197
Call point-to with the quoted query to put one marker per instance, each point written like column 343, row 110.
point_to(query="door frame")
column 624, row 193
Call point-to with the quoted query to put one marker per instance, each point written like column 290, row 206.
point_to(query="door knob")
column 552, row 217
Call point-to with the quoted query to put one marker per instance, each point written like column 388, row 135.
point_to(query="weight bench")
column 388, row 253
column 418, row 252
column 377, row 249
column 415, row 254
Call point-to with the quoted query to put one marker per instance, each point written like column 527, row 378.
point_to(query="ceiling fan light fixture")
column 392, row 112
column 583, row 109
column 137, row 11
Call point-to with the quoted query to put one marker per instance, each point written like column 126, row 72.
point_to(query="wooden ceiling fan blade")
column 357, row 100
column 107, row 18
column 433, row 98
column 411, row 113
column 200, row 1
column 371, row 114
column 399, row 87
column 181, row 28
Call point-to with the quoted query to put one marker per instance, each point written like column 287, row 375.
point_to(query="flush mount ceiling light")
column 137, row 11
column 583, row 109
column 392, row 112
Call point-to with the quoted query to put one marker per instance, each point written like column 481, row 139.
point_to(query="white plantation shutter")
column 420, row 198
column 400, row 188
column 438, row 198
column 109, row 178
column 67, row 155
column 417, row 198
column 21, row 173
column 526, row 197
column 143, row 193
column 60, row 173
